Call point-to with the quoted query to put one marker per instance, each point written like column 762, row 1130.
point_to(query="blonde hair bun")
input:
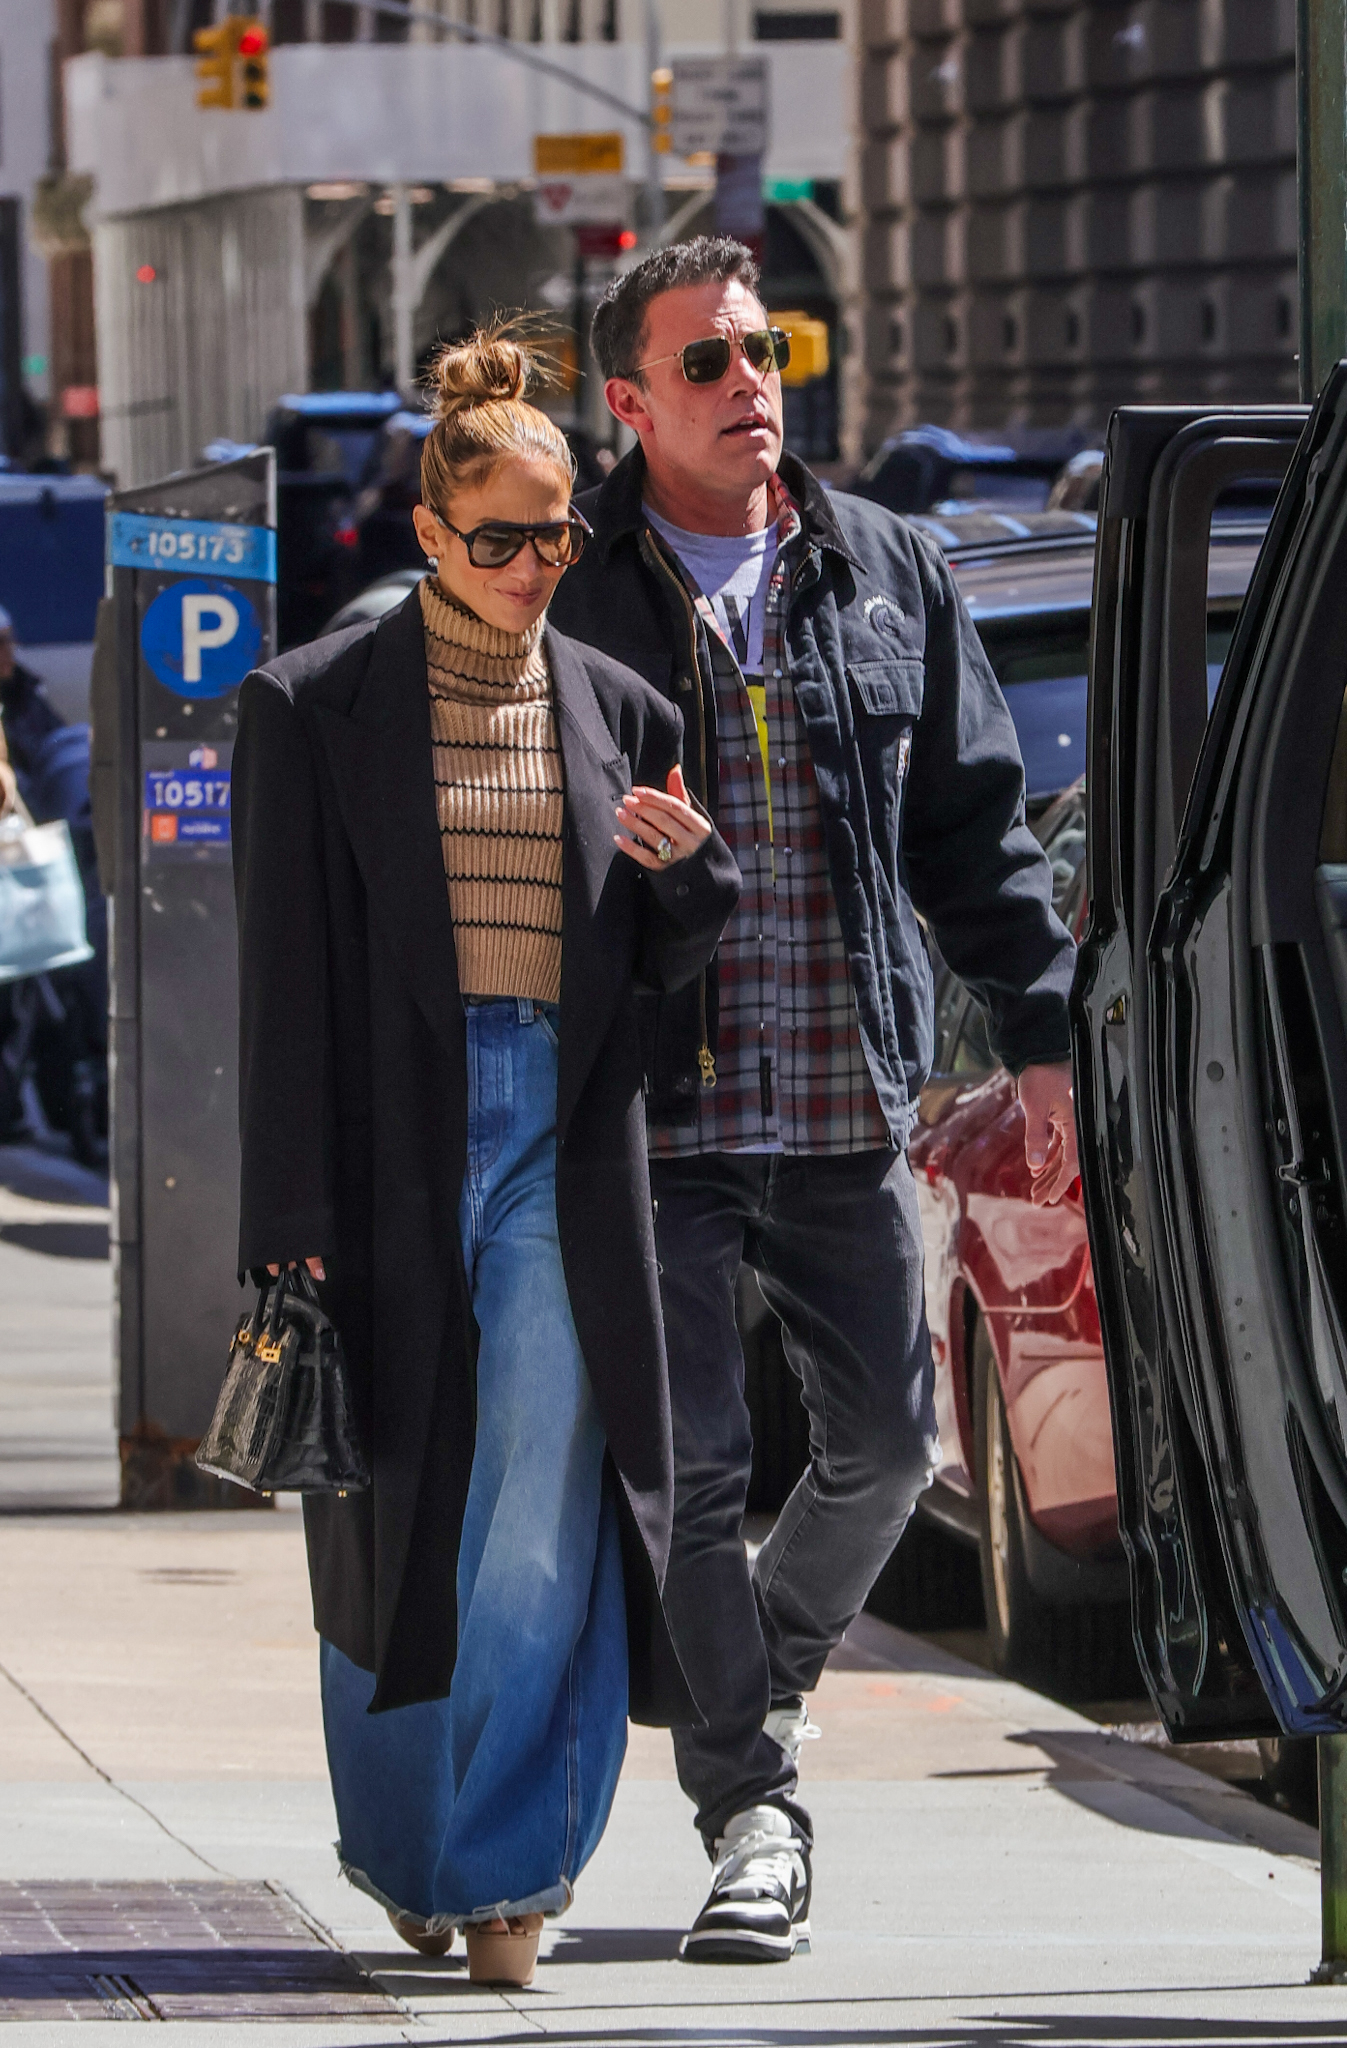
column 482, row 417
column 490, row 365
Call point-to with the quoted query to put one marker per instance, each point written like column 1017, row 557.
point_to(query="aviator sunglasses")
column 705, row 362
column 556, row 542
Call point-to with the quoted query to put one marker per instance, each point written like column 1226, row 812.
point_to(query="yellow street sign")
column 569, row 156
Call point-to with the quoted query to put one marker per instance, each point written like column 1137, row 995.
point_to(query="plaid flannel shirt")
column 791, row 1074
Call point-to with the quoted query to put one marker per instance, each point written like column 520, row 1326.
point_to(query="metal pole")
column 402, row 290
column 1333, row 1858
column 1321, row 158
column 654, row 170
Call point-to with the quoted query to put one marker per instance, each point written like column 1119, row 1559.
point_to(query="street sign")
column 201, row 637
column 720, row 106
column 597, row 200
column 565, row 156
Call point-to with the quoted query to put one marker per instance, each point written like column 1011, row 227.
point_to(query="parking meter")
column 192, row 582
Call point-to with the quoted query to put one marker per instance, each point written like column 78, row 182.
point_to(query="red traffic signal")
column 254, row 41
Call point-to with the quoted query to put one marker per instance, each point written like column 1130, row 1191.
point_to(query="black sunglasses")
column 705, row 362
column 556, row 542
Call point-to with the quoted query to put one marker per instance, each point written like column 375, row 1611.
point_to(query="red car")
column 1022, row 1401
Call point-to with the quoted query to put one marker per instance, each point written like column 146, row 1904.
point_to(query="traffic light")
column 234, row 63
column 661, row 110
column 808, row 346
column 254, row 55
column 215, row 65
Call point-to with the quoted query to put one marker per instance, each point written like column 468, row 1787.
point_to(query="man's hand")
column 1049, row 1130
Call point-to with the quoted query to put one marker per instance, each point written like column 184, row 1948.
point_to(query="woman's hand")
column 651, row 819
column 315, row 1266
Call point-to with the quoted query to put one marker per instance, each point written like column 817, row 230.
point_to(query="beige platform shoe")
column 504, row 1952
column 417, row 1937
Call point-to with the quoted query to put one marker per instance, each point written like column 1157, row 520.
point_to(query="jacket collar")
column 616, row 511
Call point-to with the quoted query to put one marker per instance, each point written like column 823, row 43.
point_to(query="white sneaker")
column 758, row 1908
column 790, row 1726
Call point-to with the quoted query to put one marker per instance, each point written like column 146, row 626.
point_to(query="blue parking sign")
column 201, row 636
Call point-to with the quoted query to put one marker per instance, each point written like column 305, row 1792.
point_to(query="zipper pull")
column 707, row 1065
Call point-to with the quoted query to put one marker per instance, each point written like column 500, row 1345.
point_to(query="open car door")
column 1210, row 1037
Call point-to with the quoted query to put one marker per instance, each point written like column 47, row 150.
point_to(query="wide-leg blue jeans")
column 493, row 1800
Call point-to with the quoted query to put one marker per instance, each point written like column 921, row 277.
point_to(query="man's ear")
column 626, row 403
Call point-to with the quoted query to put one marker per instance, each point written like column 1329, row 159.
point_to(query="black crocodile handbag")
column 283, row 1422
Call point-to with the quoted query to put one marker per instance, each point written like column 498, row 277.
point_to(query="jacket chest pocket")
column 887, row 696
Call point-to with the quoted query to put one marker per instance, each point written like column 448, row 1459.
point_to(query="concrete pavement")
column 991, row 1867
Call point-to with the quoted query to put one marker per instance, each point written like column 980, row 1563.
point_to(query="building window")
column 608, row 30
column 573, row 31
column 777, row 26
column 951, row 336
column 1283, row 316
column 1073, row 330
column 1138, row 323
column 1010, row 333
column 1208, row 320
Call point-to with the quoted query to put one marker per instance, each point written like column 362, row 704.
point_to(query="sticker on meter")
column 201, row 637
column 188, row 806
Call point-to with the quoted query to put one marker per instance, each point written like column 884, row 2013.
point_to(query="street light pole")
column 654, row 171
column 1321, row 160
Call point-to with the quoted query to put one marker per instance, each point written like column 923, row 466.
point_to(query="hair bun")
column 489, row 366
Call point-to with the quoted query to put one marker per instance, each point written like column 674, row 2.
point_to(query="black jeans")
column 836, row 1244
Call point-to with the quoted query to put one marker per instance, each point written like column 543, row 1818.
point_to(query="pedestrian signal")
column 254, row 56
column 233, row 66
column 661, row 110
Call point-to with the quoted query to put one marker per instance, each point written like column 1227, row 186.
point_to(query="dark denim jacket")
column 919, row 775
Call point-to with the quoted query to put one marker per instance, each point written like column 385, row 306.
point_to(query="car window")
column 1043, row 667
column 973, row 1052
column 1065, row 848
column 340, row 451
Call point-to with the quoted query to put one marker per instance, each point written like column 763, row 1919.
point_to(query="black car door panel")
column 1148, row 740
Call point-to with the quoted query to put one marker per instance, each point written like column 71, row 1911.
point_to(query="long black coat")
column 353, row 1110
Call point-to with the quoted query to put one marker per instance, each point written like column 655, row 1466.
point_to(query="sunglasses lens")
column 705, row 362
column 553, row 544
column 768, row 349
column 494, row 546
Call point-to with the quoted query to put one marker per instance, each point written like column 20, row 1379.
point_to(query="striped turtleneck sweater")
column 498, row 789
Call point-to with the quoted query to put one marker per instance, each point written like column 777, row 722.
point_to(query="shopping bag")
column 41, row 899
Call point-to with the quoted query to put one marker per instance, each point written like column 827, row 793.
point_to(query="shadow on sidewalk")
column 1029, row 2030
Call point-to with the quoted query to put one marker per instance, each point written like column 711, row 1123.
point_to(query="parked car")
column 929, row 467
column 325, row 442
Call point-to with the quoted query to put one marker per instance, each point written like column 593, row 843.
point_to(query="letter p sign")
column 200, row 636
column 207, row 621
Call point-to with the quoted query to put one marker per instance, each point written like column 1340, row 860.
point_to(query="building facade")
column 1067, row 206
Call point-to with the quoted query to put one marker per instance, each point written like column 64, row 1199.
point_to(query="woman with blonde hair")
column 462, row 843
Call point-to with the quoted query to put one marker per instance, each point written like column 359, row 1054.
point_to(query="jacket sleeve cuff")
column 700, row 889
column 281, row 1240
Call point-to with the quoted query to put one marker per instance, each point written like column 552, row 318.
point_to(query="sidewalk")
column 990, row 1866
column 58, row 1445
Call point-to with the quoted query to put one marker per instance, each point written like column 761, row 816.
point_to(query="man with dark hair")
column 843, row 726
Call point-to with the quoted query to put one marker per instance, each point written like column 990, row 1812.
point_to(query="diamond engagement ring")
column 665, row 848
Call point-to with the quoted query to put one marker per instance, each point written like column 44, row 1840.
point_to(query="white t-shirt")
column 732, row 571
